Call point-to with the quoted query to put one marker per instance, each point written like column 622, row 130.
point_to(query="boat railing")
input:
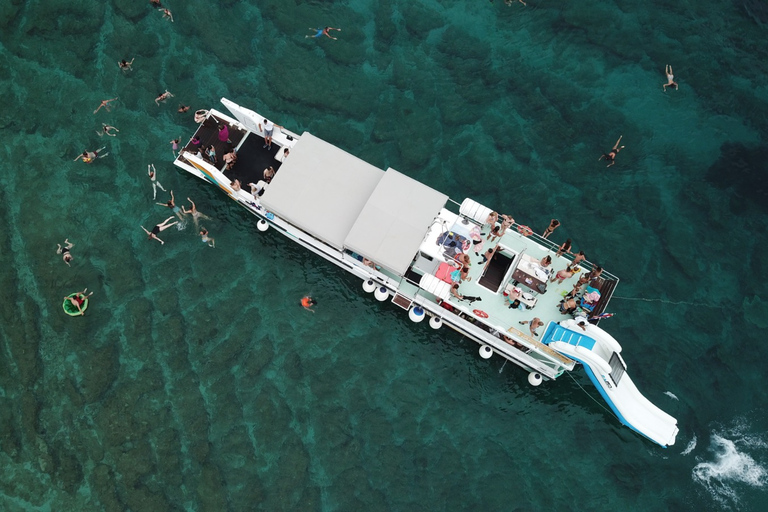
column 539, row 346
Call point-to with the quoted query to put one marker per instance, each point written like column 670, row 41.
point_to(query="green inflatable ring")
column 70, row 308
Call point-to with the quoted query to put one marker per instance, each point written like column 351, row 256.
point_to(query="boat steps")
column 402, row 301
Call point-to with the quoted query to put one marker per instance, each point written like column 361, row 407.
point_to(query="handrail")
column 542, row 347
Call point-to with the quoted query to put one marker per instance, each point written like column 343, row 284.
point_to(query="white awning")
column 394, row 221
column 321, row 189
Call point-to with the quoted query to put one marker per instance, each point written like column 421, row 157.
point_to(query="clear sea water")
column 196, row 382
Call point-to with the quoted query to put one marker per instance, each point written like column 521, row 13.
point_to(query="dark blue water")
column 196, row 382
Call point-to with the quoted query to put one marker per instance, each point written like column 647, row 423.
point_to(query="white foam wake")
column 691, row 446
column 732, row 467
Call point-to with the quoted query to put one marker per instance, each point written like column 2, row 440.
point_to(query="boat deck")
column 496, row 305
column 252, row 160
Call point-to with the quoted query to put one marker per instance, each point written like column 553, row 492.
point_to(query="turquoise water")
column 196, row 382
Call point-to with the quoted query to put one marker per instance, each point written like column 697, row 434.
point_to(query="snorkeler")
column 323, row 31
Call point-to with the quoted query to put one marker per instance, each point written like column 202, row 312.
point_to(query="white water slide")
column 599, row 352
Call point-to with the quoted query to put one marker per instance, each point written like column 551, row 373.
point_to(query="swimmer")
column 307, row 302
column 174, row 146
column 510, row 2
column 163, row 96
column 611, row 156
column 172, row 205
column 196, row 215
column 206, row 239
column 153, row 178
column 155, row 3
column 105, row 104
column 89, row 156
column 182, row 108
column 105, row 128
column 126, row 66
column 64, row 251
column 79, row 299
column 323, row 31
column 670, row 78
column 158, row 228
column 166, row 13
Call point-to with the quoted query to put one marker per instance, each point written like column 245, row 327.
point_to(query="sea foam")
column 732, row 467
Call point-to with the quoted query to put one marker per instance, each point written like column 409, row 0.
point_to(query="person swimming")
column 307, row 302
column 323, row 31
column 611, row 155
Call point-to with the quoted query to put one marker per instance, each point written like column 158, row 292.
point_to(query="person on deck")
column 224, row 134
column 533, row 325
column 268, row 129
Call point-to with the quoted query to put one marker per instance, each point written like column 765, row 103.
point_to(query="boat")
column 410, row 244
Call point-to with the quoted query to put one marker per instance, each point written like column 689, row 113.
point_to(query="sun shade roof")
column 394, row 221
column 321, row 189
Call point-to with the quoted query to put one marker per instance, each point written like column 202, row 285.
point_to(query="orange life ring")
column 480, row 313
column 524, row 230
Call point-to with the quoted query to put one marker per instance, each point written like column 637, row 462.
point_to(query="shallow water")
column 195, row 381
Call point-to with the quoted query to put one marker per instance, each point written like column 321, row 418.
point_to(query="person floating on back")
column 611, row 155
column 64, row 251
column 670, row 78
column 323, row 31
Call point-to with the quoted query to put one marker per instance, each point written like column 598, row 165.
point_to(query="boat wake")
column 734, row 468
column 691, row 445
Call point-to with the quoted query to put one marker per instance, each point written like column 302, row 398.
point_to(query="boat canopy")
column 321, row 189
column 394, row 221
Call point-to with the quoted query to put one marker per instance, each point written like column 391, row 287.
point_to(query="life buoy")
column 524, row 230
column 200, row 116
column 480, row 313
